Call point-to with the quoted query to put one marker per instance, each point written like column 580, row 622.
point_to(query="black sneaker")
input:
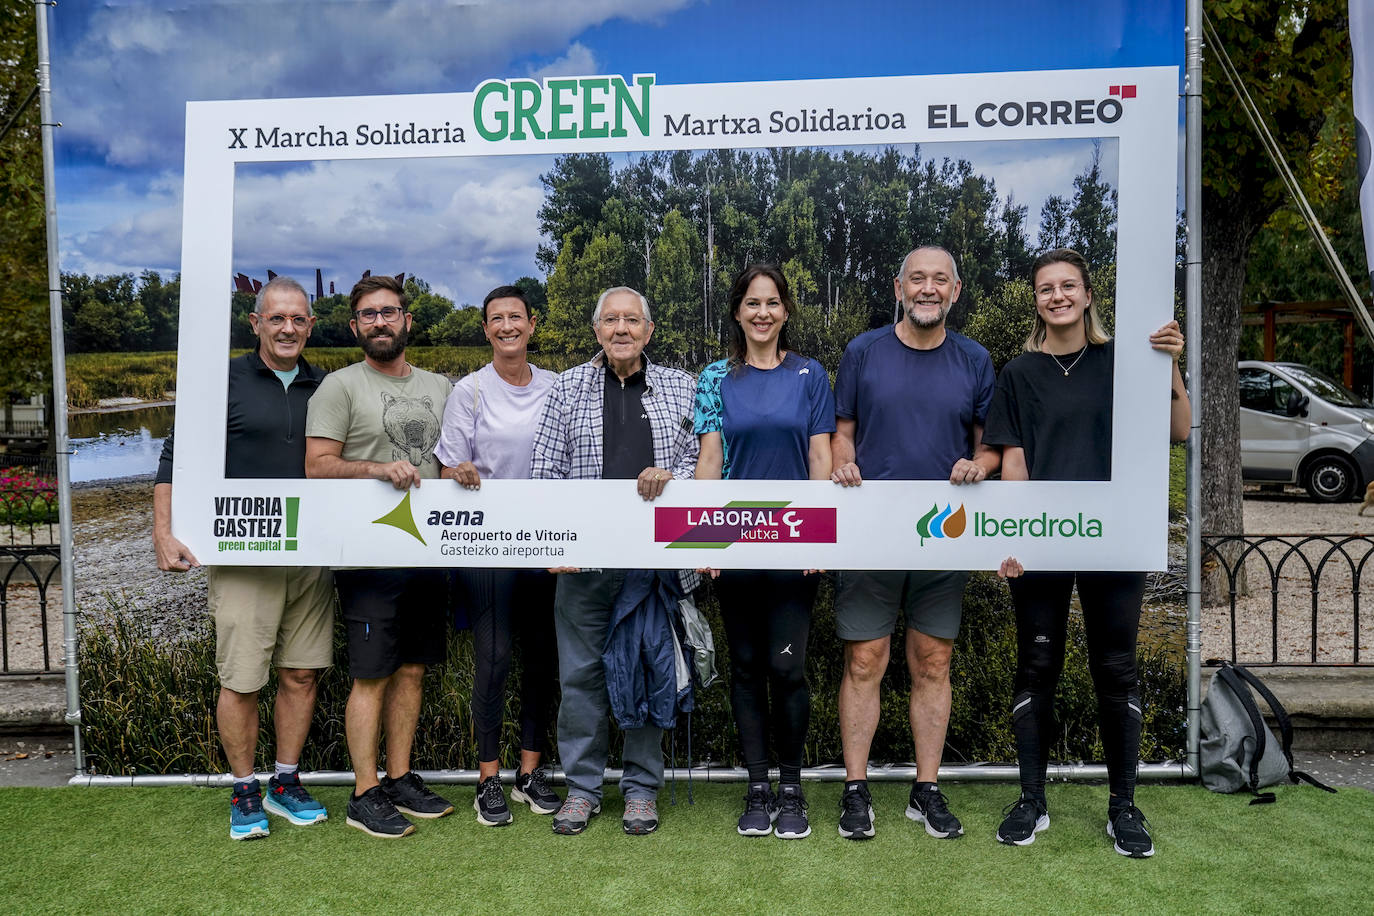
column 759, row 811
column 792, row 822
column 1128, row 827
column 490, row 803
column 930, row 807
column 374, row 814
column 409, row 794
column 532, row 788
column 856, row 812
column 1022, row 820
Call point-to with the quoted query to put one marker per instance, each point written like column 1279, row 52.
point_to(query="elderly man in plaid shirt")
column 616, row 417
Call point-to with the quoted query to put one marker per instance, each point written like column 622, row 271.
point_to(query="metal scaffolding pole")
column 1192, row 182
column 902, row 772
column 59, row 388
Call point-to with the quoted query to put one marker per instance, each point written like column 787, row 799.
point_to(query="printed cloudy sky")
column 123, row 69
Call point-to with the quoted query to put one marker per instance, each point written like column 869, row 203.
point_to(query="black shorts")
column 394, row 617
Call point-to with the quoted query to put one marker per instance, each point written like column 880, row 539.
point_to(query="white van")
column 1300, row 426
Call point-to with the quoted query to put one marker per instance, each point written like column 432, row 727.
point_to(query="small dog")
column 1368, row 499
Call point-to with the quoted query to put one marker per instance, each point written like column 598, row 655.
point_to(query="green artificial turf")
column 98, row 850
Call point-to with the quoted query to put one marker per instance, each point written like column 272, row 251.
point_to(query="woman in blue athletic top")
column 766, row 413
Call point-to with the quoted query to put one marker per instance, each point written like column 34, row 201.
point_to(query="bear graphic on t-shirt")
column 412, row 427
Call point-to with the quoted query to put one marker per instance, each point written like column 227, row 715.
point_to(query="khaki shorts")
column 270, row 616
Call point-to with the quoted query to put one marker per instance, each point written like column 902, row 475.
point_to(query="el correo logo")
column 1034, row 112
column 720, row 526
column 581, row 108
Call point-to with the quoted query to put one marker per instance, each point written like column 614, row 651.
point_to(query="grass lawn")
column 167, row 850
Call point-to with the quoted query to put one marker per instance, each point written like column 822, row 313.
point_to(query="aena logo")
column 942, row 523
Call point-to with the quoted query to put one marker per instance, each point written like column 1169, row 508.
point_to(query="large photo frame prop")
column 1118, row 524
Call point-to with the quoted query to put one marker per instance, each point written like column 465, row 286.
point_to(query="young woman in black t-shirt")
column 1052, row 414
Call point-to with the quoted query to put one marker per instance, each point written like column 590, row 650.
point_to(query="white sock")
column 286, row 769
column 237, row 778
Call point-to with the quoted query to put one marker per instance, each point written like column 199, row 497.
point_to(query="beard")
column 384, row 351
column 925, row 324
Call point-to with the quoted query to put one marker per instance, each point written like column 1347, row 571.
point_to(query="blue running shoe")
column 246, row 819
column 287, row 798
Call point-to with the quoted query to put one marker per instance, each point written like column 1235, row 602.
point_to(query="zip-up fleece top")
column 265, row 429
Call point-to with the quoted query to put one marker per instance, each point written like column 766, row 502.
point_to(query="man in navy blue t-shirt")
column 910, row 402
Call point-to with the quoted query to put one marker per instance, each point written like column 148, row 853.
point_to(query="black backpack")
column 1238, row 749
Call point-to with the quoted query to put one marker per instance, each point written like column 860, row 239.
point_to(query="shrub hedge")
column 148, row 702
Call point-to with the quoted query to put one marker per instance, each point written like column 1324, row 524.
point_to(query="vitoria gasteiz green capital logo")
column 947, row 523
column 569, row 108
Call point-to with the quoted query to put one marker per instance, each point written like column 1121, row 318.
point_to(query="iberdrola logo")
column 941, row 523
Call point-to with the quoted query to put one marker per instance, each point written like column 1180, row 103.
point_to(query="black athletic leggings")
column 502, row 603
column 767, row 617
column 1111, row 620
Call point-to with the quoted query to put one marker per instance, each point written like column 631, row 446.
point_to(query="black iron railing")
column 30, row 639
column 1273, row 579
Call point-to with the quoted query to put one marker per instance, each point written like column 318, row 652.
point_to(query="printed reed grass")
column 93, row 377
column 149, row 699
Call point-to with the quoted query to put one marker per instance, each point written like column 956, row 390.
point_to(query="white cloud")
column 464, row 224
column 122, row 84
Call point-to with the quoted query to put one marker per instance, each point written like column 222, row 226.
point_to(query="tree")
column 675, row 293
column 1294, row 57
column 578, row 186
column 459, row 328
column 428, row 308
column 1092, row 219
column 24, row 336
column 161, row 304
column 574, row 285
column 1054, row 224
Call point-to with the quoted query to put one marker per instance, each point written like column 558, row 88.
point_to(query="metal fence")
column 30, row 560
column 1292, row 598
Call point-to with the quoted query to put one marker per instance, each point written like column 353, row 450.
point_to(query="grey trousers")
column 582, row 613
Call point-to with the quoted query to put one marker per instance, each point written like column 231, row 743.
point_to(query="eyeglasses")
column 387, row 313
column 1068, row 288
column 631, row 322
column 277, row 322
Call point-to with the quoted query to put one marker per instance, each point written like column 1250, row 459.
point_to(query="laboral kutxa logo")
column 742, row 521
column 951, row 523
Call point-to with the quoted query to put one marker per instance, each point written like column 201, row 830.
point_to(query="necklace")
column 1070, row 365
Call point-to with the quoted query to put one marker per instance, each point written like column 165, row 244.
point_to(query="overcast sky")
column 123, row 70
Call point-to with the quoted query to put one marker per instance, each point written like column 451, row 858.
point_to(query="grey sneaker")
column 572, row 818
column 641, row 816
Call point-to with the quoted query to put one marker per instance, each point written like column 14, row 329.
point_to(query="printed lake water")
column 122, row 443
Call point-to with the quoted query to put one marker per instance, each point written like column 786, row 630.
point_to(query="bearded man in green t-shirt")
column 379, row 419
